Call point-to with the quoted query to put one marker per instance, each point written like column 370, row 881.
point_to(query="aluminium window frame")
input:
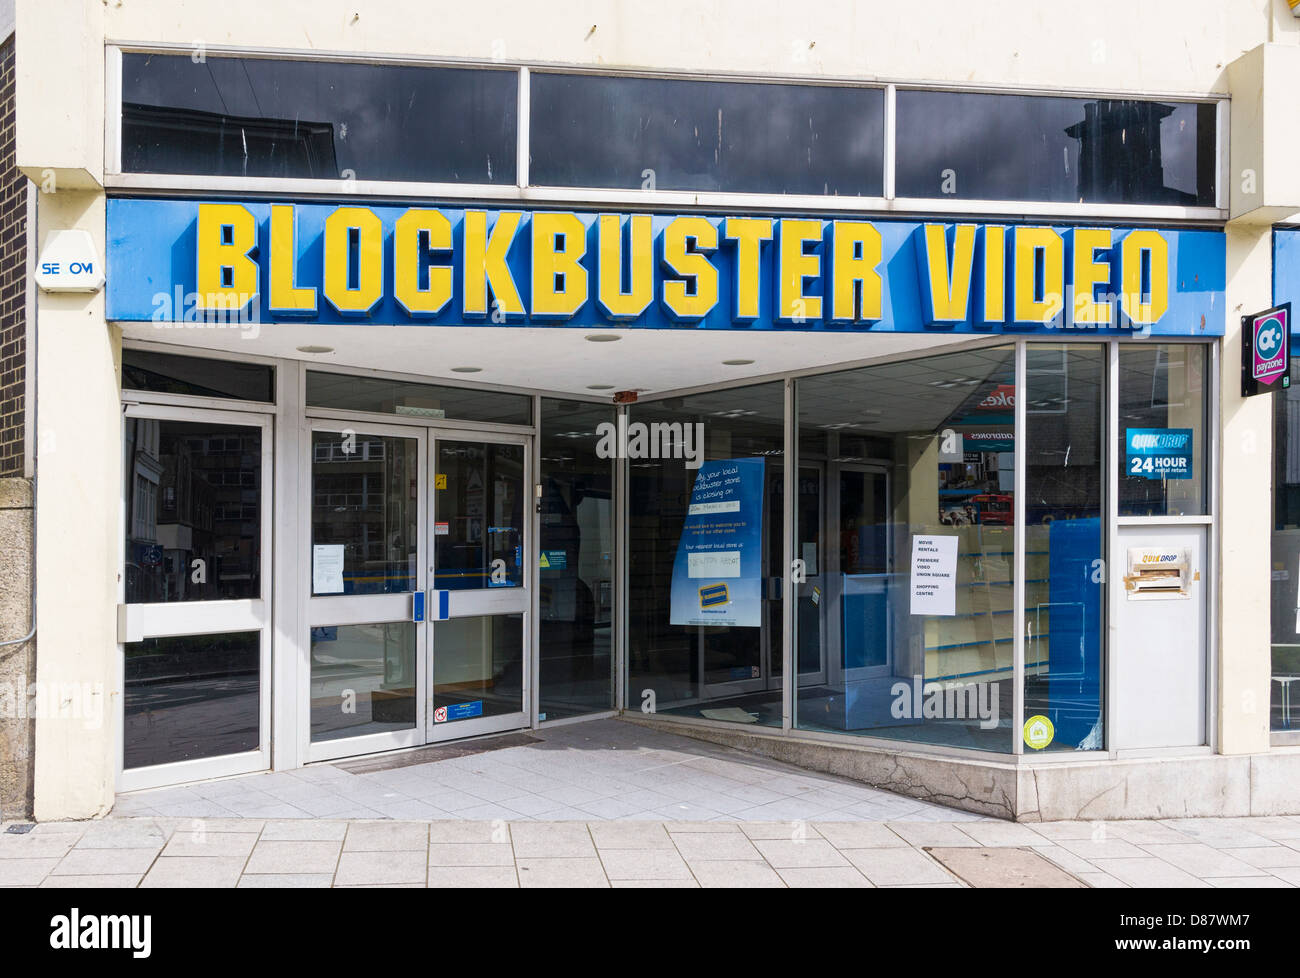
column 524, row 193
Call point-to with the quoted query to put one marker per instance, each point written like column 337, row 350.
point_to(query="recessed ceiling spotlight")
column 737, row 363
column 467, row 370
column 600, row 387
column 315, row 349
column 602, row 337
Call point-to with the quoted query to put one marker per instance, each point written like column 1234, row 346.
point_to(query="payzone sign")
column 1158, row 453
column 1266, row 351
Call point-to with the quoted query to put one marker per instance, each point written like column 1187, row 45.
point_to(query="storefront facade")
column 882, row 416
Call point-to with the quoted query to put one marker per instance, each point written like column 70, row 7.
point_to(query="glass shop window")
column 318, row 120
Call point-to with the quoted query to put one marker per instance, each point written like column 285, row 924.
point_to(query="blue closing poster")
column 1158, row 453
column 717, row 575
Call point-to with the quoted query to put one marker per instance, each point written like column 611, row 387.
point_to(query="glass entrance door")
column 810, row 621
column 481, row 545
column 863, row 562
column 366, row 563
column 196, row 576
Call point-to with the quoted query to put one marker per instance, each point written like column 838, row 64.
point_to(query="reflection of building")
column 144, row 473
column 194, row 506
column 214, row 142
column 1130, row 130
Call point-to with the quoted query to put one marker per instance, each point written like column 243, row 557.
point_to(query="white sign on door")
column 934, row 575
column 327, row 569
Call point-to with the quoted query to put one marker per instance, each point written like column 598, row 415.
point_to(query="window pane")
column 478, row 667
column 1284, row 713
column 190, row 697
column 362, row 679
column 346, row 393
column 1064, row 588
column 1162, row 441
column 365, row 515
column 599, row 131
column 165, row 373
column 1030, row 147
column 730, row 670
column 478, row 513
column 576, row 564
column 907, row 476
column 263, row 117
column 194, row 511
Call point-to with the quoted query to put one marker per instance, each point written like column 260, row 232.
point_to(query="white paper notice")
column 327, row 569
column 934, row 575
column 713, row 563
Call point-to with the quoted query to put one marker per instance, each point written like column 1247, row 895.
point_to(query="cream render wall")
column 1108, row 45
column 1111, row 44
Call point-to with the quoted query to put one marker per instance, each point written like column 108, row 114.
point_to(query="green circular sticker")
column 1039, row 732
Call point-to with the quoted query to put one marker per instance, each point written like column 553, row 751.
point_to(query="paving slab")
column 294, row 857
column 1004, row 867
column 580, row 871
column 894, row 867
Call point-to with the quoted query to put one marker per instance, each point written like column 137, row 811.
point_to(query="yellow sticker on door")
column 440, row 480
column 1038, row 732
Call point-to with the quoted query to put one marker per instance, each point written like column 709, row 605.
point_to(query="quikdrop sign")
column 1266, row 351
column 185, row 261
column 1158, row 453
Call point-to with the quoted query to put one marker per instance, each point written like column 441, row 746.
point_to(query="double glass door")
column 402, row 518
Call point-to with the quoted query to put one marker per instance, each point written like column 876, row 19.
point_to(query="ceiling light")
column 737, row 363
column 602, row 337
column 466, row 370
column 315, row 349
column 600, row 387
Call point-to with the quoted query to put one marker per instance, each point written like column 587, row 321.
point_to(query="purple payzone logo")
column 1268, row 351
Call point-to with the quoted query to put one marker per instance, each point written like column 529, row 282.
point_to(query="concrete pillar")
column 1246, row 472
column 78, row 535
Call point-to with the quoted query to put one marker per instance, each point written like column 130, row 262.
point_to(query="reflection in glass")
column 478, row 667
column 364, row 513
column 719, row 672
column 478, row 514
column 189, row 697
column 601, row 131
column 1162, row 388
column 977, row 146
column 271, row 117
column 166, row 373
column 890, row 457
column 194, row 510
column 343, row 392
column 1064, row 586
column 1284, row 685
column 362, row 679
column 576, row 562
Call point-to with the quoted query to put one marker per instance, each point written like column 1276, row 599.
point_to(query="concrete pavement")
column 216, row 852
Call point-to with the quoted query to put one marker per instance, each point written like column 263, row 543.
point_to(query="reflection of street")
column 347, row 668
column 186, row 719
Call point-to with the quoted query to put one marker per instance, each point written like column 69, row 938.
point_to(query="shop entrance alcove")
column 895, row 437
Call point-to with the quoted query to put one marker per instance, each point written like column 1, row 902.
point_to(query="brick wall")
column 13, row 278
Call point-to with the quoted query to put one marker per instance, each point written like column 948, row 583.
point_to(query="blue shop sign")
column 190, row 261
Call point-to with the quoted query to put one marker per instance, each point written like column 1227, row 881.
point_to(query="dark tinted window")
column 592, row 131
column 164, row 373
column 176, row 689
column 1015, row 147
column 344, row 392
column 317, row 119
